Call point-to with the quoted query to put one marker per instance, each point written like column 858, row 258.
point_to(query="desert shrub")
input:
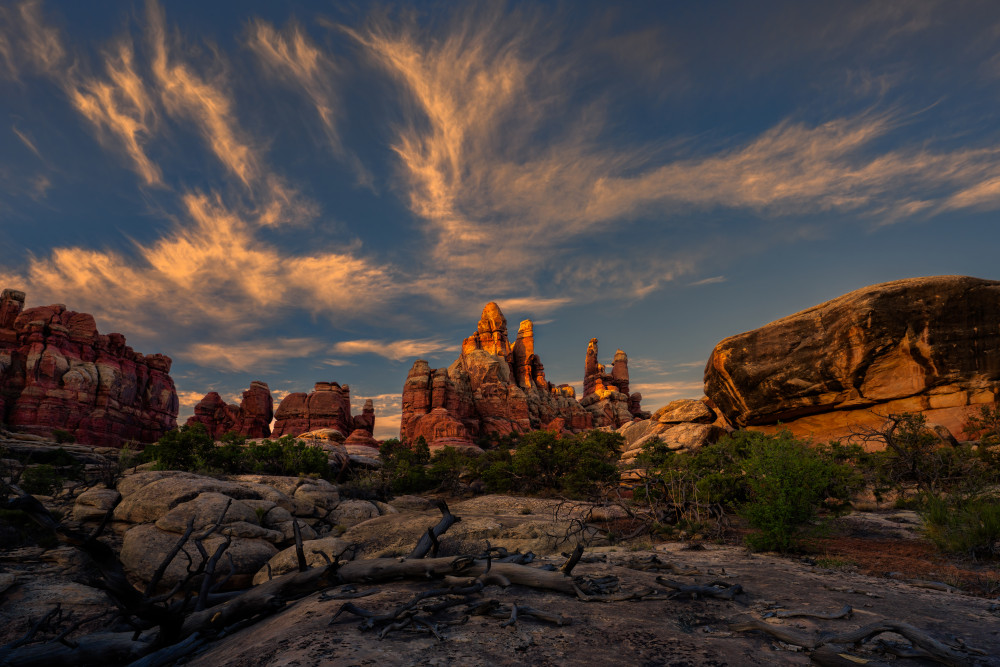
column 985, row 425
column 912, row 457
column 573, row 465
column 404, row 468
column 967, row 526
column 181, row 449
column 284, row 456
column 62, row 437
column 230, row 456
column 777, row 483
column 192, row 448
column 448, row 466
column 788, row 482
column 495, row 469
column 43, row 480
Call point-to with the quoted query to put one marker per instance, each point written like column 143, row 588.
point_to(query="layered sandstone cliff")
column 327, row 406
column 496, row 387
column 251, row 418
column 58, row 372
column 923, row 344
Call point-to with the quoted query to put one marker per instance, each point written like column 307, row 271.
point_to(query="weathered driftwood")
column 844, row 612
column 936, row 649
column 430, row 539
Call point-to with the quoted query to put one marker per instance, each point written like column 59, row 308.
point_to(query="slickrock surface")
column 922, row 344
column 499, row 387
column 58, row 372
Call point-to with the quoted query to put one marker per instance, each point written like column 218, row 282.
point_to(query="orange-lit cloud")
column 486, row 166
column 120, row 109
column 210, row 270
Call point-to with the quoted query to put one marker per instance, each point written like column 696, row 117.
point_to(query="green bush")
column 62, row 437
column 42, row 480
column 181, row 449
column 192, row 448
column 574, row 465
column 777, row 483
column 448, row 466
column 967, row 526
column 788, row 482
column 404, row 469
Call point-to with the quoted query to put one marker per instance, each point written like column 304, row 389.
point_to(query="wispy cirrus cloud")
column 484, row 166
column 289, row 56
column 256, row 356
column 211, row 267
column 396, row 350
column 708, row 281
column 211, row 270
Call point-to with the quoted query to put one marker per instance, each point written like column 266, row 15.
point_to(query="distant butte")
column 496, row 387
column 58, row 372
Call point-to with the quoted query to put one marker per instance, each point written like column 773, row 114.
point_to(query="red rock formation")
column 214, row 414
column 493, row 387
column 58, row 372
column 924, row 344
column 328, row 406
column 251, row 418
column 607, row 396
column 256, row 411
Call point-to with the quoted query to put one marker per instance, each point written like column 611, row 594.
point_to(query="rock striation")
column 923, row 344
column 58, row 372
column 251, row 418
column 499, row 387
column 327, row 406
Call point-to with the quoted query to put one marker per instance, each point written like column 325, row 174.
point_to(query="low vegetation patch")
column 192, row 448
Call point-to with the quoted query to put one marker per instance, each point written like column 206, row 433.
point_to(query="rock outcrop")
column 606, row 395
column 58, row 372
column 158, row 506
column 684, row 424
column 499, row 387
column 251, row 418
column 929, row 345
column 327, row 406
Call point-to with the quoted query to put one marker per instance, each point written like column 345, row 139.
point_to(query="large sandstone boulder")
column 58, row 372
column 258, row 512
column 929, row 345
column 145, row 546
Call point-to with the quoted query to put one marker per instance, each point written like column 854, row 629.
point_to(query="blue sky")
column 295, row 192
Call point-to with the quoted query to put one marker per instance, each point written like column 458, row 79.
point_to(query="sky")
column 322, row 191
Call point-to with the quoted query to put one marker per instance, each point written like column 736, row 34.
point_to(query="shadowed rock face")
column 252, row 417
column 499, row 387
column 922, row 344
column 58, row 372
